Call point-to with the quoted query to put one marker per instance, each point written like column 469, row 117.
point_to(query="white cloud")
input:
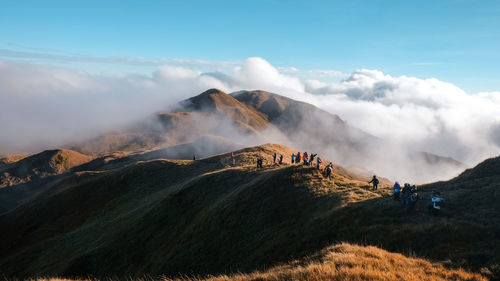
column 288, row 69
column 52, row 105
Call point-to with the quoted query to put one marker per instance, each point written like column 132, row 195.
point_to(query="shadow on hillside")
column 163, row 217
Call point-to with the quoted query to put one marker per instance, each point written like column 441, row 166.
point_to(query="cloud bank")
column 42, row 106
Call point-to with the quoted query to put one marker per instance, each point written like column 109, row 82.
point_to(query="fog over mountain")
column 43, row 107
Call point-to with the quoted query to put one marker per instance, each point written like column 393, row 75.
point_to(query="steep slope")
column 474, row 194
column 487, row 169
column 165, row 203
column 214, row 100
column 311, row 128
column 212, row 112
column 205, row 217
column 306, row 124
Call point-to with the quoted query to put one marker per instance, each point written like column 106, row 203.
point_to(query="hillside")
column 349, row 262
column 48, row 163
column 216, row 101
column 23, row 177
column 253, row 117
column 309, row 126
column 205, row 217
column 312, row 128
column 343, row 262
column 474, row 195
column 12, row 158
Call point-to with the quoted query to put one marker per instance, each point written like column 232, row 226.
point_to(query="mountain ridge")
column 170, row 216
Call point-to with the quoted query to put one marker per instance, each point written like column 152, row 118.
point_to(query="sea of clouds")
column 46, row 106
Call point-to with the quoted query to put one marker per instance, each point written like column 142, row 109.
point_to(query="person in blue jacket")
column 397, row 190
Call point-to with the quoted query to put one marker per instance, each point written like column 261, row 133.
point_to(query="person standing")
column 375, row 182
column 436, row 202
column 328, row 171
column 274, row 158
column 281, row 159
column 397, row 190
column 293, row 158
column 318, row 162
column 298, row 158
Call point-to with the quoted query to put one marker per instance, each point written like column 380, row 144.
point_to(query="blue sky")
column 453, row 40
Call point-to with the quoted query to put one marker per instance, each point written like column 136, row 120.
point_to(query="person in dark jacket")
column 375, row 182
column 397, row 190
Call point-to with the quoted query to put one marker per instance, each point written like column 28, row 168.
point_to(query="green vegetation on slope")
column 205, row 217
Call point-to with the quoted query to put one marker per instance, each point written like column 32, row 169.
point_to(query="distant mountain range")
column 255, row 117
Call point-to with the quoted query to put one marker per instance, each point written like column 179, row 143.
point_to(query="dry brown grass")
column 340, row 262
column 351, row 262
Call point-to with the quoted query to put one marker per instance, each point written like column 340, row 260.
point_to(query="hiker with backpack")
column 405, row 192
column 293, row 158
column 298, row 158
column 318, row 162
column 397, row 190
column 311, row 160
column 305, row 157
column 375, row 182
column 328, row 171
column 411, row 199
column 435, row 203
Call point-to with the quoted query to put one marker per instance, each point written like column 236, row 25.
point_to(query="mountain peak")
column 209, row 100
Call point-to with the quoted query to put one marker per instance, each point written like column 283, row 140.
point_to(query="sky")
column 451, row 40
column 422, row 75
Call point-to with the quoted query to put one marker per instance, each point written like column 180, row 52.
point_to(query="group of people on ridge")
column 410, row 197
column 306, row 159
column 280, row 159
column 408, row 193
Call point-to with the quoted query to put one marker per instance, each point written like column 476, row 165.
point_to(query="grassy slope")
column 171, row 217
column 350, row 262
column 344, row 262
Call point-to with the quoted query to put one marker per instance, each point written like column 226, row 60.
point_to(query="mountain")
column 244, row 114
column 309, row 126
column 185, row 217
column 216, row 101
column 23, row 177
column 255, row 117
column 48, row 163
